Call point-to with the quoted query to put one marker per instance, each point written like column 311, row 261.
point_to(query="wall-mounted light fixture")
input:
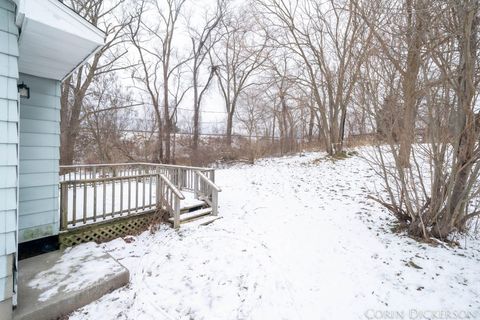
column 23, row 90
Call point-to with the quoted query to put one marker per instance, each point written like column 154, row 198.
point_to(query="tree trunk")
column 284, row 125
column 453, row 217
column 160, row 145
column 341, row 135
column 409, row 85
column 228, row 140
column 66, row 155
column 70, row 117
column 196, row 120
column 166, row 116
column 67, row 150
column 407, row 132
column 311, row 124
column 70, row 130
column 196, row 112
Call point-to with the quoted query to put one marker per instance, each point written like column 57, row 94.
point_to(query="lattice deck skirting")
column 109, row 230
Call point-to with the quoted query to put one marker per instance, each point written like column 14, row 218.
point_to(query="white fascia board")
column 81, row 63
column 57, row 15
column 56, row 19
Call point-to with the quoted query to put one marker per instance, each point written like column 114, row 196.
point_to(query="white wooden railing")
column 181, row 176
column 91, row 200
column 207, row 190
column 95, row 193
column 169, row 199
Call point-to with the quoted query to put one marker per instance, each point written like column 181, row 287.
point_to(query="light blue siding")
column 28, row 139
column 39, row 126
column 8, row 110
column 8, row 153
column 8, row 198
column 40, row 153
column 31, row 207
column 37, row 166
column 8, row 65
column 39, row 159
column 47, row 114
column 8, row 132
column 28, row 180
column 9, row 177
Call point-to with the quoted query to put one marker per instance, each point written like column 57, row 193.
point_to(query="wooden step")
column 192, row 215
column 202, row 221
column 195, row 206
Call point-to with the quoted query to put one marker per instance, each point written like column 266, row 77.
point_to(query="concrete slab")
column 54, row 284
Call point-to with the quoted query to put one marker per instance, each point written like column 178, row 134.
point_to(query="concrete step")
column 184, row 217
column 54, row 284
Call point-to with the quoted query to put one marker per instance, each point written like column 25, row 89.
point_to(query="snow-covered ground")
column 298, row 240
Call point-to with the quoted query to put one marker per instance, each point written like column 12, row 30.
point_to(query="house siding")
column 8, row 154
column 39, row 159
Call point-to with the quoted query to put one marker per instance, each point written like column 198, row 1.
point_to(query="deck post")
column 176, row 214
column 214, row 202
column 63, row 206
column 85, row 186
column 158, row 190
column 195, row 185
column 182, row 178
column 174, row 178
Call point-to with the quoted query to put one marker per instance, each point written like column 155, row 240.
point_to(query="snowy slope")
column 298, row 240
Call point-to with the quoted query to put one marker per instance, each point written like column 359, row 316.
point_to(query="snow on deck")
column 298, row 240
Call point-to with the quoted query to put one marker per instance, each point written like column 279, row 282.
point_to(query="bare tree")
column 461, row 19
column 142, row 142
column 252, row 113
column 106, row 117
column 330, row 40
column 282, row 91
column 203, row 39
column 398, row 27
column 159, row 63
column 112, row 18
column 235, row 59
column 434, row 195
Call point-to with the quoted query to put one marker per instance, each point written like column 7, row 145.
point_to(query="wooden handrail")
column 210, row 194
column 105, row 188
column 177, row 192
column 107, row 179
column 100, row 165
column 208, row 181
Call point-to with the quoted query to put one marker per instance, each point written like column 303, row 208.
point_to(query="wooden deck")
column 129, row 199
column 98, row 194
